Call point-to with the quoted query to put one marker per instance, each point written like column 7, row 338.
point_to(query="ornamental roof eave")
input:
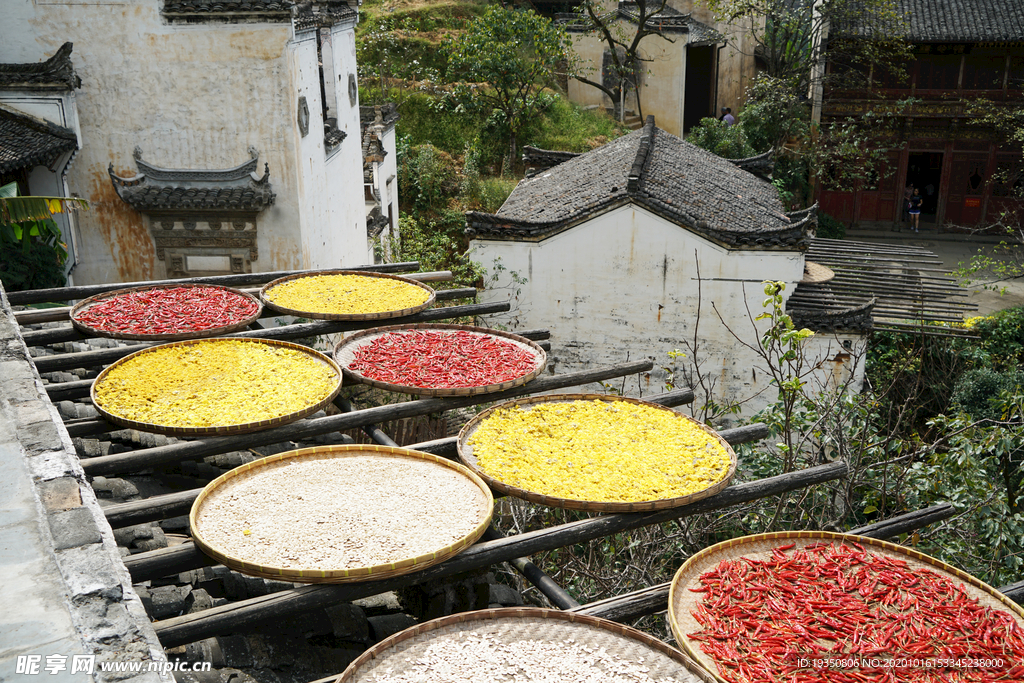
column 219, row 191
column 56, row 73
column 28, row 141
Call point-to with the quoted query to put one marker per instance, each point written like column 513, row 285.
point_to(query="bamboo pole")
column 181, row 558
column 303, row 429
column 69, row 333
column 35, row 296
column 244, row 614
column 175, row 504
column 654, row 599
column 88, row 359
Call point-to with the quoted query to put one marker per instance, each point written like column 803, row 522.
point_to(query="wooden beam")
column 244, row 614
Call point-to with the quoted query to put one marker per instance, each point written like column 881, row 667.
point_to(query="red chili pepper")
column 168, row 310
column 442, row 359
column 836, row 602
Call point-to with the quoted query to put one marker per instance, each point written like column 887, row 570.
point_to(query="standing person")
column 727, row 116
column 915, row 208
column 908, row 192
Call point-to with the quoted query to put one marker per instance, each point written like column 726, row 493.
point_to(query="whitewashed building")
column 648, row 243
column 214, row 137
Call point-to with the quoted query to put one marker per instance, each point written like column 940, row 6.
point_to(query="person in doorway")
column 915, row 209
column 727, row 116
column 908, row 192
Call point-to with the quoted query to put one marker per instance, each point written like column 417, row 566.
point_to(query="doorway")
column 924, row 171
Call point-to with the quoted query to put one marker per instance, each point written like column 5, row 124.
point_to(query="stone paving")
column 68, row 604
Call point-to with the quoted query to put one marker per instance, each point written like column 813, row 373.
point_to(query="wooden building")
column 967, row 173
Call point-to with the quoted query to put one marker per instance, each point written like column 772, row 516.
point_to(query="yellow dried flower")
column 346, row 294
column 601, row 451
column 214, row 383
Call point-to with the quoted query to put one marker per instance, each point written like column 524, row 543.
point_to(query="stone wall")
column 66, row 592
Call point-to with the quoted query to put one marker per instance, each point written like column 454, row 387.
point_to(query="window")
column 984, row 72
column 938, row 72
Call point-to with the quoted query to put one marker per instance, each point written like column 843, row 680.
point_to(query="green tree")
column 615, row 30
column 510, row 56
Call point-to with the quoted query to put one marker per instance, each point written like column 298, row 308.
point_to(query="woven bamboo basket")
column 83, row 306
column 466, row 455
column 524, row 626
column 682, row 601
column 322, row 315
column 344, row 354
column 218, row 430
column 481, row 498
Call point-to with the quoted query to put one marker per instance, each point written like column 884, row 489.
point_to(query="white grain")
column 335, row 513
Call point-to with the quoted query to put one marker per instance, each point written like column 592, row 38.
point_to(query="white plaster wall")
column 662, row 83
column 626, row 283
column 194, row 96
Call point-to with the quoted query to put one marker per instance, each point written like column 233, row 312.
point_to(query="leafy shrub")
column 830, row 228
column 1002, row 337
column 728, row 142
column 976, row 391
column 428, row 178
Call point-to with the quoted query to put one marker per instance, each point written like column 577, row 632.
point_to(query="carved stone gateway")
column 203, row 222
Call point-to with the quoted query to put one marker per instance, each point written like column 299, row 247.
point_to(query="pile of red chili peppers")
column 168, row 310
column 836, row 613
column 442, row 360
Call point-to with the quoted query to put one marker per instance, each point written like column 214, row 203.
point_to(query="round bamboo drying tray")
column 322, row 315
column 344, row 354
column 532, row 626
column 357, row 488
column 83, row 306
column 682, row 600
column 218, row 430
column 467, row 456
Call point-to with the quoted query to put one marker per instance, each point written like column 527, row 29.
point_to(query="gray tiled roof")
column 26, row 141
column 230, row 190
column 56, row 73
column 960, row 20
column 683, row 183
column 215, row 7
column 668, row 20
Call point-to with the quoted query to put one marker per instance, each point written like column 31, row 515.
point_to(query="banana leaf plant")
column 26, row 222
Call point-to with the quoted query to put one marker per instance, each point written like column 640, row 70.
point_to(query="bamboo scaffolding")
column 303, row 429
column 68, row 333
column 36, row 296
column 90, row 359
column 184, row 557
column 246, row 613
column 175, row 504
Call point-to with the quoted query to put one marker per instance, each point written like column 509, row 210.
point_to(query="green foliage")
column 977, row 391
column 728, row 142
column 830, row 228
column 427, row 177
column 32, row 255
column 515, row 53
column 438, row 243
